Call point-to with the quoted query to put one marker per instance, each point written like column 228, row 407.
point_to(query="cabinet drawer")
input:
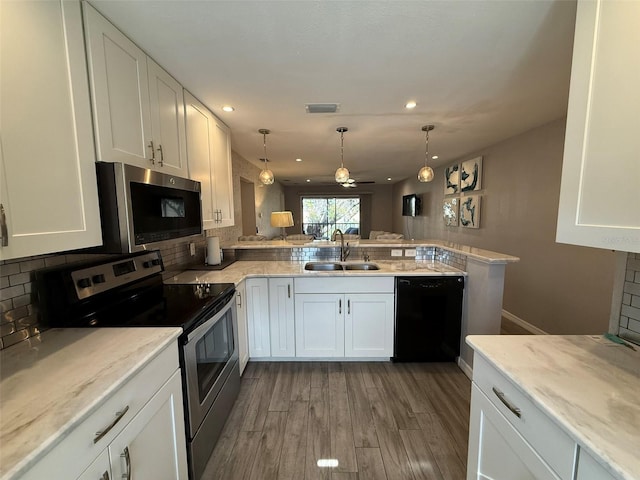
column 344, row 285
column 551, row 443
column 73, row 454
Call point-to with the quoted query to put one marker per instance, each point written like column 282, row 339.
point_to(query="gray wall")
column 562, row 289
column 374, row 205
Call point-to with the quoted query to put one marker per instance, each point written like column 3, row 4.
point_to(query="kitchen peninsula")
column 484, row 271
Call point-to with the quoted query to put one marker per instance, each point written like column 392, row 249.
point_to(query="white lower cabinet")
column 319, row 325
column 257, row 293
column 146, row 447
column 590, row 469
column 281, row 317
column 496, row 450
column 332, row 323
column 137, row 432
column 241, row 311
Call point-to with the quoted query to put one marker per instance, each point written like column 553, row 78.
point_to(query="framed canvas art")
column 450, row 211
column 471, row 175
column 470, row 211
column 452, row 179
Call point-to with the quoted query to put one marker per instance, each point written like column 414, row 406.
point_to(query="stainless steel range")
column 127, row 291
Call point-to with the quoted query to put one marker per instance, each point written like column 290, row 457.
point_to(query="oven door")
column 210, row 353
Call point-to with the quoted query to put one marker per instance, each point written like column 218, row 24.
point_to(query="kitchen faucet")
column 344, row 252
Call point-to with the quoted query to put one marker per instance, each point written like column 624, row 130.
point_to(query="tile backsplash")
column 630, row 308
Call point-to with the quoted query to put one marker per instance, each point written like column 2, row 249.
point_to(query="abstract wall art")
column 471, row 175
column 450, row 211
column 470, row 211
column 452, row 179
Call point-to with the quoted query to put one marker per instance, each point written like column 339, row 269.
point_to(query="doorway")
column 248, row 203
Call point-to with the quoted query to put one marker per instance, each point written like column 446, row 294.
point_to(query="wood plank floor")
column 370, row 420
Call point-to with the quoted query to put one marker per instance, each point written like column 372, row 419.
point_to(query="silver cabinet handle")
column 127, row 461
column 153, row 152
column 239, row 302
column 289, row 290
column 4, row 232
column 105, row 476
column 349, row 306
column 161, row 155
column 340, row 306
column 515, row 410
column 102, row 433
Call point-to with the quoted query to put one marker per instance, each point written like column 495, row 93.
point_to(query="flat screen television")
column 411, row 205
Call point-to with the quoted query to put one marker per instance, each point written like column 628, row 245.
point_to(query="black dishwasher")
column 428, row 318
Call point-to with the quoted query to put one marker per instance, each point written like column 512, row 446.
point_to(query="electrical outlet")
column 410, row 252
column 396, row 253
column 192, row 249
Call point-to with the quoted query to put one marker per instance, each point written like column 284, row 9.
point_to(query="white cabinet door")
column 319, row 325
column 589, row 469
column 369, row 325
column 599, row 194
column 153, row 444
column 258, row 317
column 167, row 120
column 100, row 469
column 48, row 190
column 209, row 158
column 222, row 175
column 281, row 317
column 120, row 94
column 241, row 310
column 496, row 450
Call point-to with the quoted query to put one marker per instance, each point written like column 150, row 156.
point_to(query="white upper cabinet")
column 209, row 156
column 48, row 192
column 138, row 108
column 600, row 191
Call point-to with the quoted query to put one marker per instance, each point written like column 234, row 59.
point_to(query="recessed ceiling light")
column 298, row 159
column 410, row 105
column 388, row 178
column 228, row 108
column 308, row 180
column 435, row 157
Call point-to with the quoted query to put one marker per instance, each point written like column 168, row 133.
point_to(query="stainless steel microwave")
column 139, row 207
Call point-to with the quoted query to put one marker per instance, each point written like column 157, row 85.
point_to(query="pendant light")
column 426, row 173
column 342, row 174
column 266, row 175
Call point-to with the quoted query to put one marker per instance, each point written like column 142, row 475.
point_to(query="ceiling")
column 480, row 71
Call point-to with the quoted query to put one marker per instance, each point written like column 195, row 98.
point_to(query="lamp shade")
column 281, row 219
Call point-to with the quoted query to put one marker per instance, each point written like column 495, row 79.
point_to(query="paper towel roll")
column 213, row 251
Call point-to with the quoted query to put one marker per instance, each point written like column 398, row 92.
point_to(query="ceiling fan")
column 352, row 183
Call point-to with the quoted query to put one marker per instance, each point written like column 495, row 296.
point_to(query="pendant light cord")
column 426, row 147
column 342, row 148
column 264, row 144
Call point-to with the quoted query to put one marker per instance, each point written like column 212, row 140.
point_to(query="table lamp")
column 282, row 220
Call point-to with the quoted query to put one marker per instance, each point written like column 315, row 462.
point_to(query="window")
column 321, row 216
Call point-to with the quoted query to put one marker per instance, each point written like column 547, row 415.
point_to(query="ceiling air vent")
column 322, row 107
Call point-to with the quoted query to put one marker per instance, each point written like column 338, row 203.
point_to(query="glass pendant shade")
column 266, row 177
column 425, row 174
column 342, row 175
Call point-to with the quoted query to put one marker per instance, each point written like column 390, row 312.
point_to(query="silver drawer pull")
column 515, row 410
column 127, row 461
column 102, row 433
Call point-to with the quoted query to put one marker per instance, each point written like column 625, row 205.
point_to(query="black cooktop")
column 125, row 292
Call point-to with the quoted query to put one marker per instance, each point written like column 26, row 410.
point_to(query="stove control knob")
column 84, row 282
column 98, row 278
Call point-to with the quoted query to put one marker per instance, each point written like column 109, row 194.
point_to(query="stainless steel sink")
column 361, row 266
column 322, row 266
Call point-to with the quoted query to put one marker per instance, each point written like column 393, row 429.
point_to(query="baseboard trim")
column 524, row 324
column 466, row 369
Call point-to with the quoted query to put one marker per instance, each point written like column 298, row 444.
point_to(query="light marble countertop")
column 486, row 256
column 238, row 271
column 588, row 386
column 51, row 383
